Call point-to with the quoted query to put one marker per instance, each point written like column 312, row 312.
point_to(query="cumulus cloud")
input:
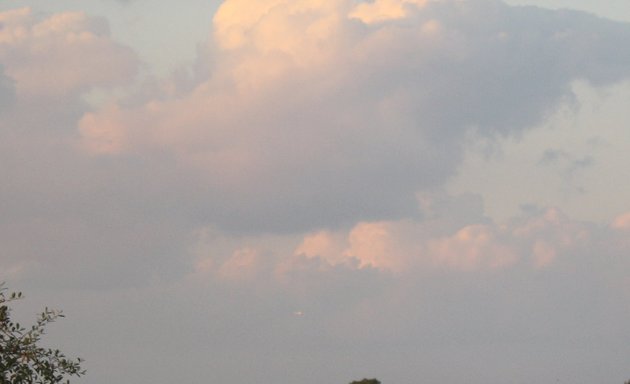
column 336, row 112
column 314, row 121
column 300, row 170
column 383, row 10
column 535, row 241
column 62, row 54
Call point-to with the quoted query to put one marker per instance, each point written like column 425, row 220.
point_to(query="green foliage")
column 22, row 361
column 366, row 381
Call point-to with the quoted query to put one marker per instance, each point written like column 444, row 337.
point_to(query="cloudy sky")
column 316, row 191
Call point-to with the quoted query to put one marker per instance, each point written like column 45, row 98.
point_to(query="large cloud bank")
column 285, row 197
column 332, row 112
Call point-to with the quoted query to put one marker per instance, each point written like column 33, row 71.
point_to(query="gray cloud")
column 364, row 322
column 568, row 165
column 7, row 91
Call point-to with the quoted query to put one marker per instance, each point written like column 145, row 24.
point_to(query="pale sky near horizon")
column 308, row 191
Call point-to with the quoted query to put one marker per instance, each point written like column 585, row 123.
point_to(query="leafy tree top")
column 22, row 360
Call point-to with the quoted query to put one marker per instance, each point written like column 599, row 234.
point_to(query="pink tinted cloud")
column 622, row 222
column 408, row 247
column 107, row 135
column 538, row 241
column 243, row 264
column 472, row 247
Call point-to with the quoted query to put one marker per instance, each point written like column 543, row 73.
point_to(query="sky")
column 308, row 191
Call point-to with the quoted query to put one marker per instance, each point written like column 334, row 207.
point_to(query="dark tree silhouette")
column 366, row 381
